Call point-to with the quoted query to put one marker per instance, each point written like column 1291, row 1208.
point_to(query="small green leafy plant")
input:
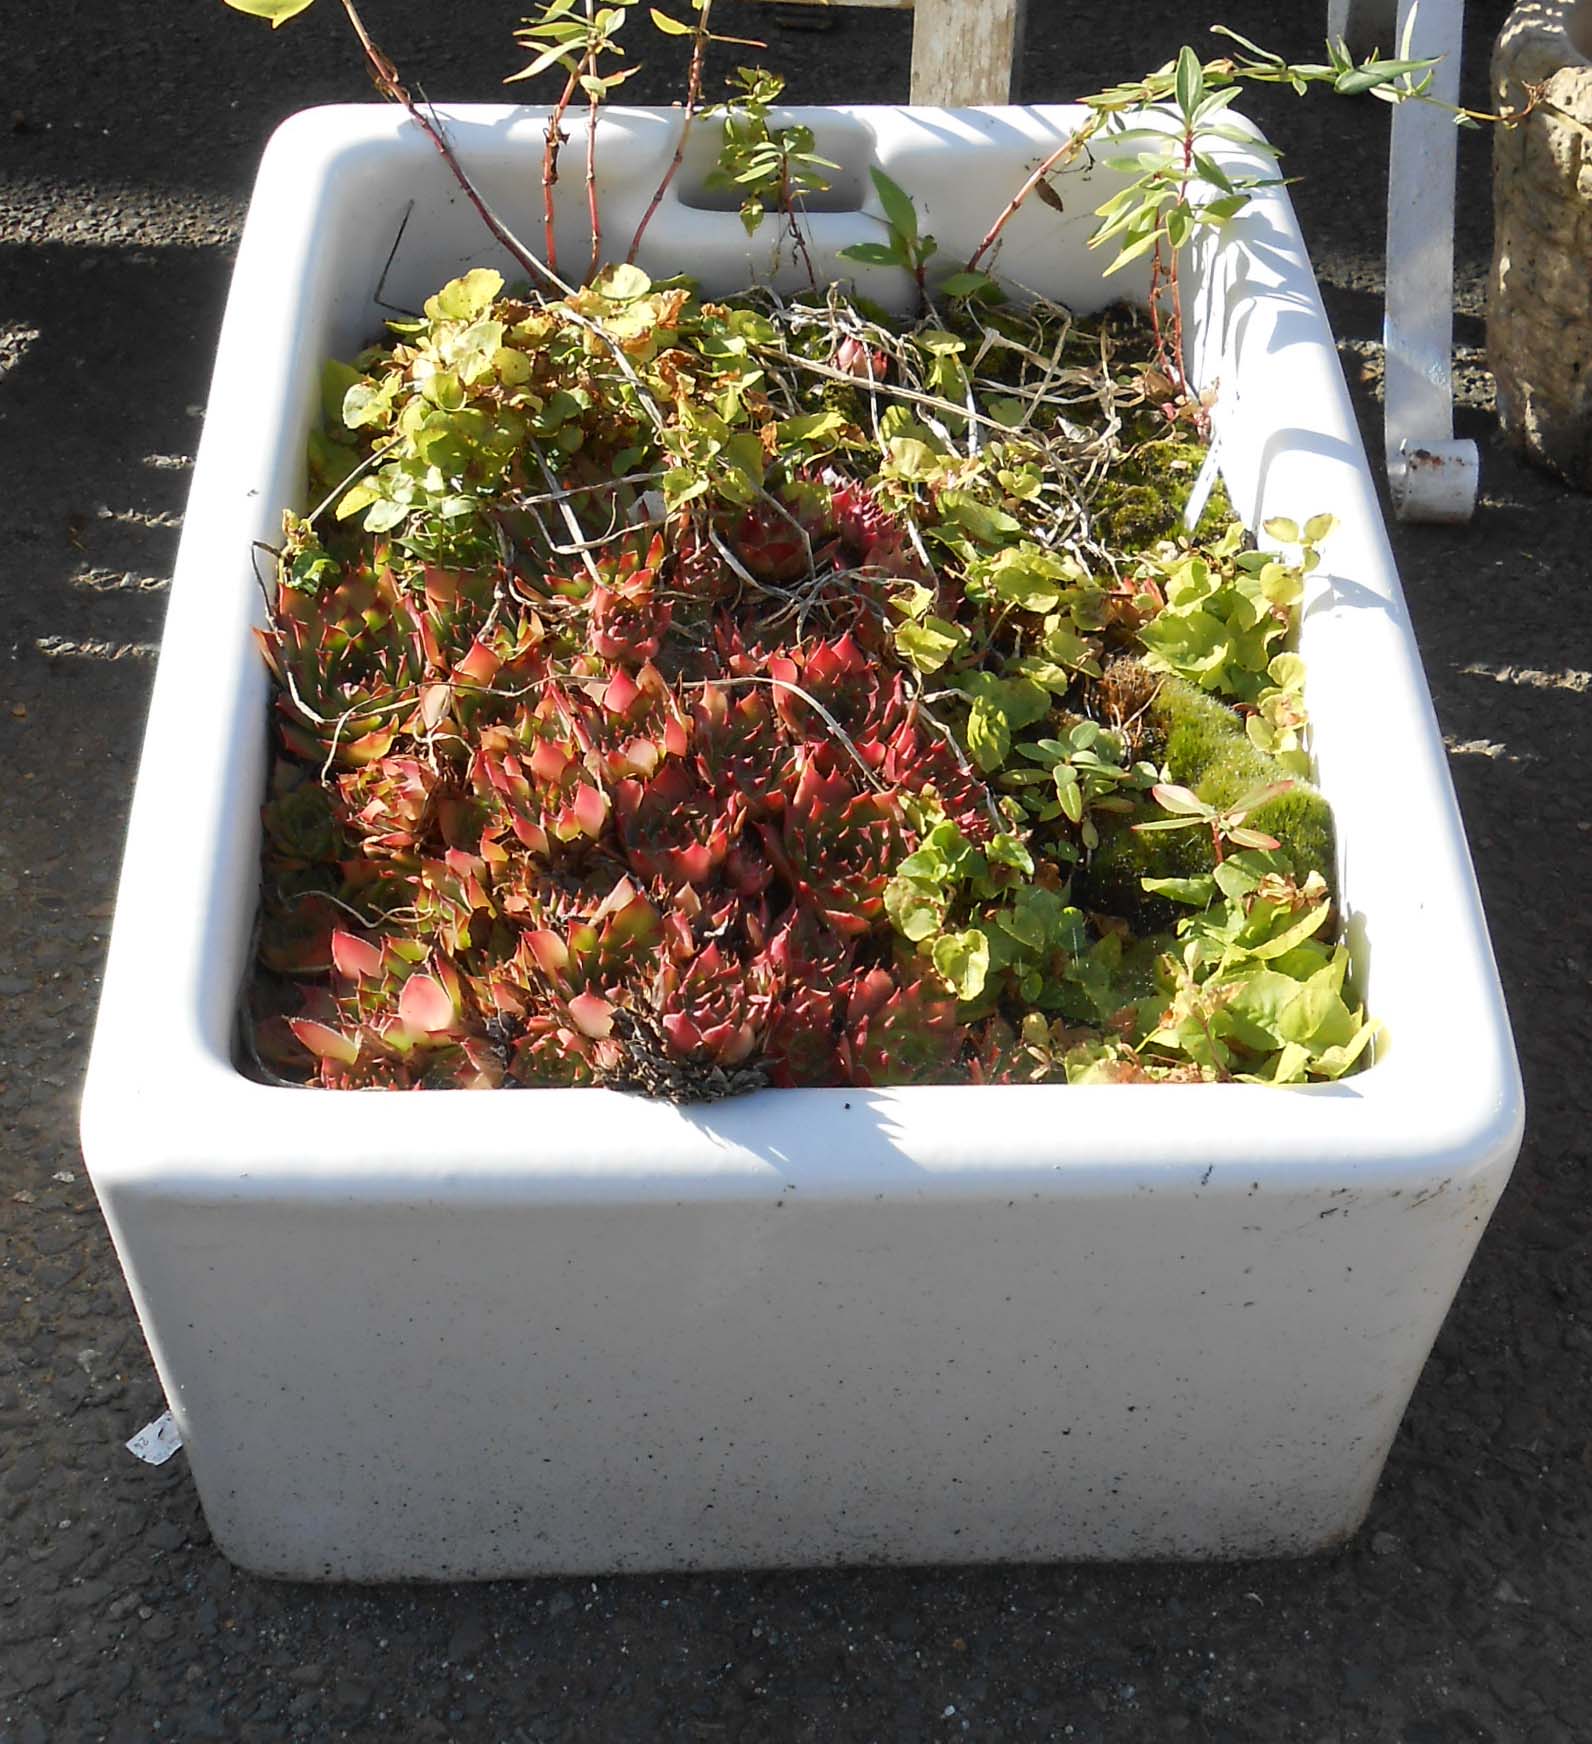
column 764, row 165
column 904, row 246
column 688, row 695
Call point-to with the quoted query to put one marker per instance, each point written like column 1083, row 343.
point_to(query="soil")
column 1460, row 1614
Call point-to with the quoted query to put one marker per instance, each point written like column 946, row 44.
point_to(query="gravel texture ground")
column 1461, row 1612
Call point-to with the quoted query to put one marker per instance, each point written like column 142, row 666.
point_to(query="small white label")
column 1200, row 495
column 156, row 1442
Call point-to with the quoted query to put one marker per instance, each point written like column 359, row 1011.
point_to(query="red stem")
column 1156, row 269
column 1172, row 272
column 693, row 97
column 1062, row 152
column 591, row 178
column 555, row 138
column 787, row 205
column 384, row 75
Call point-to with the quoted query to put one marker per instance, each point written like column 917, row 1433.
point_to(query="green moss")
column 1141, row 499
column 1203, row 745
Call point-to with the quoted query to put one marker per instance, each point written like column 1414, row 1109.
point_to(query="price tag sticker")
column 156, row 1442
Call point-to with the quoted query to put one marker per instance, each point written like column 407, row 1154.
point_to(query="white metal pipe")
column 1432, row 477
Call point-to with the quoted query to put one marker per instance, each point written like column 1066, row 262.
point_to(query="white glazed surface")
column 555, row 1330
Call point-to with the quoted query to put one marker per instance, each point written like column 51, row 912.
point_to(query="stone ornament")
column 1539, row 317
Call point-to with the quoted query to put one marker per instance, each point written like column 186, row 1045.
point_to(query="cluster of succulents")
column 689, row 697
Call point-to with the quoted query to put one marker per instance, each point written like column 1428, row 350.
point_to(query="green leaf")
column 1189, row 82
column 913, row 600
column 1062, row 643
column 1191, row 643
column 1236, row 135
column 559, row 407
column 966, row 284
column 1131, row 252
column 1023, row 576
column 909, row 457
column 1282, row 529
column 897, row 203
column 962, row 960
column 978, row 519
column 872, row 254
column 444, row 390
column 1019, row 700
column 1212, row 172
column 365, row 404
column 808, row 427
column 1259, row 1006
column 278, row 11
column 1292, row 936
column 475, row 354
column 1196, row 892
column 1045, row 672
column 1372, row 75
column 1335, row 1061
column 989, row 738
column 359, row 496
column 671, row 26
column 1261, row 734
column 1010, row 850
column 384, row 515
column 559, row 52
column 464, row 298
column 927, row 646
column 1219, row 211
column 336, row 379
column 622, row 283
column 1318, row 1017
column 1259, row 53
column 1181, row 800
column 1069, row 793
column 513, row 368
column 914, row 911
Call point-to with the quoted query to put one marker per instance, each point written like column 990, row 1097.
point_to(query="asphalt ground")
column 128, row 137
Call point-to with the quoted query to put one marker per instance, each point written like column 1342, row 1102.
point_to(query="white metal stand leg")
column 1430, row 475
column 1364, row 24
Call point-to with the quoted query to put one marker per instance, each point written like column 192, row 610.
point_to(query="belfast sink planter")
column 448, row 1335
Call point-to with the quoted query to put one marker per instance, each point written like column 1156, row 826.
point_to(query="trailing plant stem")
column 787, row 205
column 593, row 102
column 554, row 140
column 693, row 101
column 384, row 75
column 1058, row 159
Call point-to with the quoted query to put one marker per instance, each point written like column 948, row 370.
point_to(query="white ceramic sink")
column 449, row 1334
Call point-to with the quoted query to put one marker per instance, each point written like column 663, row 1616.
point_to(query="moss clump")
column 1142, row 498
column 1204, row 746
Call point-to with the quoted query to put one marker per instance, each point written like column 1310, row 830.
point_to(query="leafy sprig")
column 905, row 245
column 765, row 165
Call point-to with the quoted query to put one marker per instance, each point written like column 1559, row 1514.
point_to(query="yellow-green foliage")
column 1141, row 500
column 1204, row 747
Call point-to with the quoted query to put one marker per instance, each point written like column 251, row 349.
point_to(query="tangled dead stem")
column 690, row 696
